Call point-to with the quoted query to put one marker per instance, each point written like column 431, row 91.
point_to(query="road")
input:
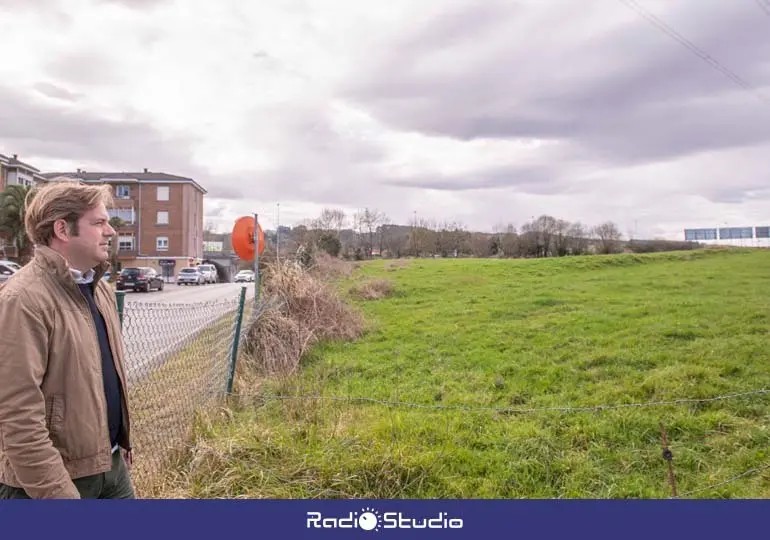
column 159, row 324
column 188, row 294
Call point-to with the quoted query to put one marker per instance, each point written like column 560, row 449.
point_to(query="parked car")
column 13, row 266
column 190, row 276
column 244, row 276
column 6, row 272
column 209, row 272
column 140, row 278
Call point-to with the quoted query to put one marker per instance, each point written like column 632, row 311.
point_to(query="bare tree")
column 483, row 245
column 535, row 239
column 609, row 237
column 331, row 220
column 396, row 245
column 420, row 236
column 578, row 238
column 509, row 241
column 561, row 237
column 367, row 221
column 383, row 230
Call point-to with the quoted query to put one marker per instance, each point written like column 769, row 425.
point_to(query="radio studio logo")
column 370, row 519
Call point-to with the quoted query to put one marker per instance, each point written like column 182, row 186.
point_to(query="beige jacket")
column 53, row 417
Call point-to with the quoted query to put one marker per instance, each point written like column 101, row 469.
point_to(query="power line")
column 700, row 53
column 765, row 5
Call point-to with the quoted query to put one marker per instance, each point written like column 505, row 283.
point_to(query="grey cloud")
column 629, row 94
column 84, row 67
column 216, row 212
column 56, row 92
column 464, row 24
column 30, row 127
column 315, row 160
column 51, row 11
column 536, row 180
column 26, row 5
column 313, row 157
column 136, row 4
column 746, row 183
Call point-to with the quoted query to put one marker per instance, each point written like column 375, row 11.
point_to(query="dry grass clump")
column 326, row 267
column 396, row 264
column 373, row 289
column 302, row 310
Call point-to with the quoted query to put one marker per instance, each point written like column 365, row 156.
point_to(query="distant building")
column 758, row 236
column 16, row 172
column 162, row 217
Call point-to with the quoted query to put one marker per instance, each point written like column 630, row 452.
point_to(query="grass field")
column 518, row 334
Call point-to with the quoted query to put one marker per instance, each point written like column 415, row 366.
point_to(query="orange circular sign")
column 243, row 238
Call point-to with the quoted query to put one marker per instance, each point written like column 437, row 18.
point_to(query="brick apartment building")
column 162, row 217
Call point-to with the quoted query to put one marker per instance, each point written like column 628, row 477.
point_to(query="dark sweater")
column 110, row 375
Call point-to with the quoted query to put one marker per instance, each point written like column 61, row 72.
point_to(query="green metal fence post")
column 120, row 297
column 236, row 340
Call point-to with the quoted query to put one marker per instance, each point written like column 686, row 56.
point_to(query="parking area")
column 191, row 293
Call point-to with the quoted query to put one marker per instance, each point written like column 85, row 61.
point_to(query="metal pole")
column 120, row 297
column 256, row 259
column 236, row 340
column 278, row 233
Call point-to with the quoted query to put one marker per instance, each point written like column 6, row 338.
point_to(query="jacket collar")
column 54, row 262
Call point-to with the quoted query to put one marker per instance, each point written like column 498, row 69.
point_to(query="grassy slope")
column 539, row 333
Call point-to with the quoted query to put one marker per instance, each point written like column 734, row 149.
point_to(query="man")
column 63, row 401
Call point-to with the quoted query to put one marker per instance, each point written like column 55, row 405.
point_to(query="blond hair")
column 62, row 198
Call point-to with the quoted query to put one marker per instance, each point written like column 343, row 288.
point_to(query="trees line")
column 369, row 232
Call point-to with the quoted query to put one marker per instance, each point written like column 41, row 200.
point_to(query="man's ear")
column 61, row 229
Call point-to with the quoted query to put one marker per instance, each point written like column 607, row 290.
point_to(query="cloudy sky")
column 485, row 112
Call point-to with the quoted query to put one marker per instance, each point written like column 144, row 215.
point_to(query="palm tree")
column 13, row 206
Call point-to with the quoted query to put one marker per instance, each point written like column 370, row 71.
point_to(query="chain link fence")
column 180, row 360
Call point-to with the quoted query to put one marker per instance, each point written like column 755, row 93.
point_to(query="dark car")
column 139, row 279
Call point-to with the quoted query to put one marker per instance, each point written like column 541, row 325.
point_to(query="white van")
column 209, row 272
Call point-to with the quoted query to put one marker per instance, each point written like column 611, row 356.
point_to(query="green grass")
column 523, row 334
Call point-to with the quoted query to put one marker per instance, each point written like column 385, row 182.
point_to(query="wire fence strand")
column 265, row 398
column 735, row 478
column 177, row 361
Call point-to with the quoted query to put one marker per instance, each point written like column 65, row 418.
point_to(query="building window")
column 736, row 233
column 127, row 215
column 125, row 243
column 162, row 218
column 694, row 235
column 122, row 192
column 161, row 243
column 162, row 193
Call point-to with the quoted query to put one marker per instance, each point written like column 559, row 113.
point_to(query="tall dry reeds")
column 303, row 310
